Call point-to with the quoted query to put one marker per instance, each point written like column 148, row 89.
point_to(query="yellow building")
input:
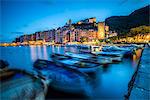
column 101, row 30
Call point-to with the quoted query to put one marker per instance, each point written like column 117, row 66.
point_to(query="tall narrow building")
column 101, row 30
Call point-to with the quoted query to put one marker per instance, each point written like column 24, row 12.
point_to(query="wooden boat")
column 113, row 59
column 83, row 46
column 59, row 56
column 19, row 84
column 78, row 55
column 63, row 78
column 112, row 54
column 82, row 65
column 82, row 57
column 97, row 58
column 114, row 48
column 87, row 64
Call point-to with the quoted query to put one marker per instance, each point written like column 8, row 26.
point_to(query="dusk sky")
column 20, row 17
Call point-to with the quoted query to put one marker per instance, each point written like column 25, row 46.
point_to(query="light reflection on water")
column 111, row 81
column 33, row 53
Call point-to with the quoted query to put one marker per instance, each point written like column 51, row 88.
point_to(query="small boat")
column 86, row 64
column 83, row 58
column 112, row 54
column 111, row 58
column 77, row 55
column 20, row 84
column 64, row 79
column 114, row 48
column 83, row 46
column 85, row 51
column 59, row 56
column 100, row 57
column 91, row 49
column 126, row 51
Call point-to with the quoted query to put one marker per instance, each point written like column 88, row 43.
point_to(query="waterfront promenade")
column 141, row 85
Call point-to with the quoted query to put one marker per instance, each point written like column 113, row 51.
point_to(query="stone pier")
column 139, row 86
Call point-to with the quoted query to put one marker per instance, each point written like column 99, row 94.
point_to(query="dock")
column 139, row 86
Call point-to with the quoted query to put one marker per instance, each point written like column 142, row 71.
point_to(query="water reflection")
column 39, row 53
column 45, row 56
column 53, row 49
column 111, row 80
column 33, row 53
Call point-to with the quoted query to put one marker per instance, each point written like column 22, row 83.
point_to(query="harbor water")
column 108, row 82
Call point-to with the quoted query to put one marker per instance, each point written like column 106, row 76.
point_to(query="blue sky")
column 20, row 17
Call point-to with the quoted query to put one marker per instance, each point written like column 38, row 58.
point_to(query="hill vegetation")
column 123, row 24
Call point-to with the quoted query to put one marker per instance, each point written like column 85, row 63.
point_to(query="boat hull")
column 63, row 78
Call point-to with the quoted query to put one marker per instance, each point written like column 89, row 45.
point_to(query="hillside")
column 122, row 24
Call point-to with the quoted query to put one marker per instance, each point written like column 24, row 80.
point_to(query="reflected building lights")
column 58, row 49
column 33, row 53
column 45, row 55
column 39, row 52
column 53, row 49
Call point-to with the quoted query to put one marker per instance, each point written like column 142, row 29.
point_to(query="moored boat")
column 113, row 54
column 83, row 66
column 63, row 78
column 71, row 59
column 20, row 84
column 90, row 57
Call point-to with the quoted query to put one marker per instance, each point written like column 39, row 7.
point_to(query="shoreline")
column 69, row 44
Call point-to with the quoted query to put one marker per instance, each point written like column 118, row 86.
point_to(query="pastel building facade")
column 87, row 28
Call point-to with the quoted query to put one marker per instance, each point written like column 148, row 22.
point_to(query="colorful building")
column 87, row 28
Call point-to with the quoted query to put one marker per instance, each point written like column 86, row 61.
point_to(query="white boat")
column 113, row 48
column 76, row 55
column 83, row 66
column 116, row 54
column 77, row 63
column 81, row 46
column 90, row 58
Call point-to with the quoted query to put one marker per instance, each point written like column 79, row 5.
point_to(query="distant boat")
column 83, row 65
column 83, row 46
column 115, row 48
column 63, row 78
column 91, row 49
column 89, row 57
column 77, row 55
column 113, row 54
column 19, row 84
column 98, row 57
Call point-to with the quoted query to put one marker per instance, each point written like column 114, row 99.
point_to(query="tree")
column 139, row 30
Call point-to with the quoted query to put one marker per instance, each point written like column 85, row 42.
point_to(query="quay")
column 139, row 86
